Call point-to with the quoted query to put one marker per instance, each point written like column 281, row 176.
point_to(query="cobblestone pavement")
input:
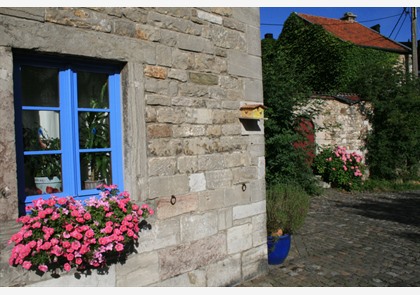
column 353, row 240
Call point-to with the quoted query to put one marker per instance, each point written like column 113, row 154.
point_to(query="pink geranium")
column 70, row 233
column 340, row 167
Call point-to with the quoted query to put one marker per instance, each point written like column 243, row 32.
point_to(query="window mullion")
column 67, row 130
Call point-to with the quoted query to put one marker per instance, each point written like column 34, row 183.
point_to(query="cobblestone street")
column 353, row 240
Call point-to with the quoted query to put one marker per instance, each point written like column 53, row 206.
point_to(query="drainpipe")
column 414, row 41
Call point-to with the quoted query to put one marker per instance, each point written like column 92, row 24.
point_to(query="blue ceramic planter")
column 278, row 248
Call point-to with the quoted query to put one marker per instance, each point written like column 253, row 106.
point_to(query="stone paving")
column 353, row 240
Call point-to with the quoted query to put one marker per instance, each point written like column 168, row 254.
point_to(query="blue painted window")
column 68, row 127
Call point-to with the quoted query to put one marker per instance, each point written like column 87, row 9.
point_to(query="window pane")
column 41, row 130
column 39, row 87
column 92, row 90
column 95, row 169
column 94, row 130
column 42, row 174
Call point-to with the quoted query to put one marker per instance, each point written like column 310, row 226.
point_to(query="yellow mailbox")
column 252, row 111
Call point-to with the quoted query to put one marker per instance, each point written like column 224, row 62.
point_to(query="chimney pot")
column 349, row 16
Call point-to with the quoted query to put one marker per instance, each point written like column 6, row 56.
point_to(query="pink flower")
column 79, row 261
column 68, row 227
column 345, row 167
column 61, row 201
column 56, row 250
column 80, row 219
column 36, row 225
column 89, row 233
column 46, row 246
column 108, row 229
column 43, row 268
column 67, row 267
column 70, row 257
column 27, row 234
column 75, row 213
column 75, row 245
column 55, row 216
column 119, row 247
column 103, row 241
column 84, row 249
column 87, row 216
column 27, row 264
column 66, row 244
column 75, row 234
column 54, row 241
column 41, row 214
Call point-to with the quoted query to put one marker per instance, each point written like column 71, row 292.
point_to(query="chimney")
column 349, row 17
column 268, row 36
column 376, row 28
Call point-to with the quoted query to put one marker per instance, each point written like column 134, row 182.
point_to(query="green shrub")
column 287, row 207
column 341, row 168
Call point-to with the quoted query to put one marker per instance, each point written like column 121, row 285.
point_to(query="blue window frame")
column 68, row 127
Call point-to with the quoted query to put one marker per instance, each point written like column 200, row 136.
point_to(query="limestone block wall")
column 342, row 124
column 186, row 73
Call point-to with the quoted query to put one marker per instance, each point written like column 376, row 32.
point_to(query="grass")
column 374, row 185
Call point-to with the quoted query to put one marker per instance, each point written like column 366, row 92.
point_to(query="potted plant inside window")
column 45, row 169
column 95, row 134
column 287, row 207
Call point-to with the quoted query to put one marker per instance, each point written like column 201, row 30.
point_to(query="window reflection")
column 92, row 90
column 95, row 168
column 94, row 130
column 42, row 174
column 40, row 87
column 41, row 130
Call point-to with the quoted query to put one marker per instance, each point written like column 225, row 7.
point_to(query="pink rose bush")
column 62, row 233
column 340, row 167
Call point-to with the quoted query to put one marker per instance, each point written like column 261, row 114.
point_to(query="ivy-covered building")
column 332, row 57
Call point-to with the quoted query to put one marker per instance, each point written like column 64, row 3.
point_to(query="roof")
column 348, row 98
column 356, row 33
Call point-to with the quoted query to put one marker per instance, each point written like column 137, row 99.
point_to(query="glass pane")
column 94, row 130
column 39, row 87
column 43, row 174
column 41, row 130
column 92, row 90
column 95, row 168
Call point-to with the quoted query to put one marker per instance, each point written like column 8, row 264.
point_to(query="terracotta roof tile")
column 355, row 33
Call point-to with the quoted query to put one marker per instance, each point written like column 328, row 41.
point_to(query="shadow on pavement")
column 401, row 207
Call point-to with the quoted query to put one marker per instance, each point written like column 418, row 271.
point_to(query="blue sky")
column 395, row 24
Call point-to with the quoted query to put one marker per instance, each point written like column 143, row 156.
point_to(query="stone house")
column 341, row 119
column 176, row 80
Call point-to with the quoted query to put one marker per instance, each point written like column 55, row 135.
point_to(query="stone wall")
column 342, row 124
column 187, row 71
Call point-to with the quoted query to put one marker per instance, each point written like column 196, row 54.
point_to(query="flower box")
column 63, row 233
